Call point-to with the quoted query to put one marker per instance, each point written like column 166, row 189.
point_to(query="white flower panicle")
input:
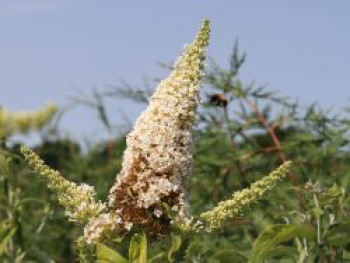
column 79, row 200
column 157, row 161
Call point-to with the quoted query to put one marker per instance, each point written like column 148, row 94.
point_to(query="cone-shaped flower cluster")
column 157, row 161
column 22, row 122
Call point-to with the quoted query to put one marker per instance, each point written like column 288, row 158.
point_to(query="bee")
column 219, row 99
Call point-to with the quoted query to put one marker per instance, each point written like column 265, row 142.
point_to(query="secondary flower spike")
column 79, row 200
column 242, row 199
column 157, row 162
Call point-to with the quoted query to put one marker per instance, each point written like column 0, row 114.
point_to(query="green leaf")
column 227, row 255
column 267, row 243
column 105, row 254
column 6, row 240
column 346, row 254
column 338, row 234
column 175, row 245
column 282, row 251
column 138, row 249
column 143, row 249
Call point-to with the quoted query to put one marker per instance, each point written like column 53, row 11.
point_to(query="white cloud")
column 24, row 8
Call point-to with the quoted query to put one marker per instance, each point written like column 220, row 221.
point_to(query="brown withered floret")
column 130, row 211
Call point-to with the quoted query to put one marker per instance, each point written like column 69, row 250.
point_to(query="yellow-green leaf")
column 175, row 245
column 105, row 254
column 138, row 249
column 7, row 239
column 273, row 236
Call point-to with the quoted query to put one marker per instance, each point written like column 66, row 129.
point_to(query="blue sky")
column 51, row 49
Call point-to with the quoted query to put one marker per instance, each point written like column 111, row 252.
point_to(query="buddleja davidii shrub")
column 151, row 192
